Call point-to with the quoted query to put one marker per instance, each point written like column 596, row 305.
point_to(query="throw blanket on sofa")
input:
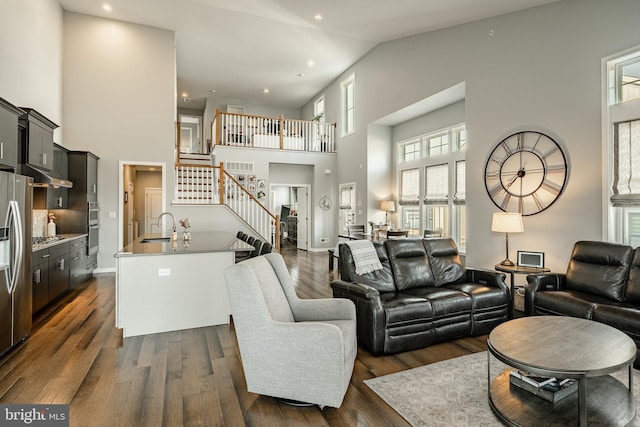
column 365, row 256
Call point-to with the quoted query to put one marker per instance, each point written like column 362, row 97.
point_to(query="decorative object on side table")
column 507, row 222
column 530, row 259
column 186, row 235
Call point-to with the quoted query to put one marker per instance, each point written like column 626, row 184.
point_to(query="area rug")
column 452, row 392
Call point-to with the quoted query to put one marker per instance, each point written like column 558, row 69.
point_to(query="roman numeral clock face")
column 526, row 172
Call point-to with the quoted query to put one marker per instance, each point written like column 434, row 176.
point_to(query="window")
column 442, row 188
column 347, row 97
column 410, row 187
column 433, row 144
column 411, row 150
column 622, row 138
column 318, row 109
column 346, row 206
column 624, row 79
column 437, row 144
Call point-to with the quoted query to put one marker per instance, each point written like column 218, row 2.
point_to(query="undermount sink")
column 156, row 240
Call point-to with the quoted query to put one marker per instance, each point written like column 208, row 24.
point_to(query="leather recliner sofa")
column 602, row 283
column 423, row 295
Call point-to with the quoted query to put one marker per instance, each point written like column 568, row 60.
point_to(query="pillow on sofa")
column 599, row 268
column 409, row 263
column 446, row 263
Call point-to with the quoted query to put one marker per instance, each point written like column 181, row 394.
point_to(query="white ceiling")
column 240, row 47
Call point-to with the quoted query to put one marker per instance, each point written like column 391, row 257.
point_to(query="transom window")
column 433, row 144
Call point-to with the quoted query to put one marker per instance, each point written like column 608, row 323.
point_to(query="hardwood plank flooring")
column 76, row 356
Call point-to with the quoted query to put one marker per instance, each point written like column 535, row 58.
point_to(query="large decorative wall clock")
column 526, row 172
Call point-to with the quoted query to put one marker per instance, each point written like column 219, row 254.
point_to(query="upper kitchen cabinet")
column 83, row 172
column 9, row 135
column 38, row 149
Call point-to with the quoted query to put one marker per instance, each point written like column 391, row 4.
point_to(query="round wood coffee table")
column 562, row 347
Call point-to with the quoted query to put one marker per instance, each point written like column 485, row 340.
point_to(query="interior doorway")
column 134, row 178
column 292, row 203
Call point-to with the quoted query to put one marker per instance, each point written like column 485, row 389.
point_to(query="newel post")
column 221, row 184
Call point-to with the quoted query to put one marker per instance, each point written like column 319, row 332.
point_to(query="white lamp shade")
column 388, row 206
column 507, row 222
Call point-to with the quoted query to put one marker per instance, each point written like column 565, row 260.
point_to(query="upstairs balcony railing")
column 242, row 130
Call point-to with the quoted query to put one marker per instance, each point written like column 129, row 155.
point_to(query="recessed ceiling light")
column 185, row 94
column 106, row 7
column 265, row 90
column 310, row 63
column 212, row 91
column 318, row 17
column 300, row 75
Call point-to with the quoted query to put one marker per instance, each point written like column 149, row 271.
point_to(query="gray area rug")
column 452, row 392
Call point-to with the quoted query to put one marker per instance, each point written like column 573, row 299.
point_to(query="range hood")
column 42, row 178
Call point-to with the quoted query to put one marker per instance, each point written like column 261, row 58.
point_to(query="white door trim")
column 121, row 166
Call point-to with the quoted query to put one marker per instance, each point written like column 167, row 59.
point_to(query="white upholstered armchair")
column 291, row 348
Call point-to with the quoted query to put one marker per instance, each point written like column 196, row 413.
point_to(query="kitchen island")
column 164, row 285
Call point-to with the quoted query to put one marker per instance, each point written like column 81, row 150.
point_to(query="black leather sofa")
column 423, row 295
column 602, row 283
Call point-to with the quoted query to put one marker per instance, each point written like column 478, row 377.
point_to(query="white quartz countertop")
column 200, row 242
column 65, row 238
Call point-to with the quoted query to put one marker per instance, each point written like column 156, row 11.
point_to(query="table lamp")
column 388, row 206
column 507, row 222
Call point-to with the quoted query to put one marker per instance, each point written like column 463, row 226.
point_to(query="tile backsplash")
column 40, row 217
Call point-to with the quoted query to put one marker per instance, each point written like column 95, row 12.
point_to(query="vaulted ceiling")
column 293, row 48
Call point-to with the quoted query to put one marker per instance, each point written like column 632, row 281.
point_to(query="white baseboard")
column 104, row 270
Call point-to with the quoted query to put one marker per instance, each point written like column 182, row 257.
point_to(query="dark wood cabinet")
column 9, row 135
column 78, row 271
column 50, row 268
column 38, row 144
column 58, row 270
column 83, row 172
column 40, row 279
column 58, row 198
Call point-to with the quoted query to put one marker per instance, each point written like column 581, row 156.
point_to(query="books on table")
column 551, row 389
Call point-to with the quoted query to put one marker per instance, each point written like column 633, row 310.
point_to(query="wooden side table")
column 516, row 269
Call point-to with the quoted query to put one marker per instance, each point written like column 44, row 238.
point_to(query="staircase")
column 196, row 180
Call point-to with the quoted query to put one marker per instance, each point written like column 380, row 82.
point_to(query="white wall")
column 31, row 57
column 119, row 103
column 540, row 70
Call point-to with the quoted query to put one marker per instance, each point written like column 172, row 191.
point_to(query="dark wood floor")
column 76, row 356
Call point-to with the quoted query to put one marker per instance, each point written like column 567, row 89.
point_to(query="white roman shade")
column 437, row 185
column 460, row 195
column 626, row 166
column 410, row 187
column 346, row 197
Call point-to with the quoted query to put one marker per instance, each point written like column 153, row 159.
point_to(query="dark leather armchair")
column 602, row 283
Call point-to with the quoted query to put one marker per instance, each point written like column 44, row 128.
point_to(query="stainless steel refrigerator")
column 16, row 202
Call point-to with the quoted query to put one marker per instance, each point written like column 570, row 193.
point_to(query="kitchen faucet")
column 174, row 234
